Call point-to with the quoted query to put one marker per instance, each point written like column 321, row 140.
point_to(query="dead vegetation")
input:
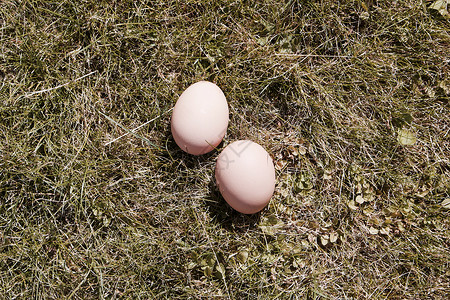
column 349, row 97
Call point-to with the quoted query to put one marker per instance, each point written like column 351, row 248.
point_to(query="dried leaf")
column 446, row 203
column 401, row 228
column 375, row 221
column 242, row 256
column 364, row 15
column 443, row 85
column 271, row 225
column 263, row 40
column 368, row 211
column 220, row 271
column 359, row 199
column 351, row 205
column 327, row 175
column 373, row 230
column 292, row 150
column 385, row 231
column 334, row 237
column 359, row 188
column 406, row 137
column 324, row 239
column 207, row 271
column 311, row 238
column 269, row 258
column 301, row 150
column 279, row 165
column 369, row 197
column 328, row 224
column 191, row 265
column 422, row 194
column 303, row 182
column 106, row 221
column 441, row 7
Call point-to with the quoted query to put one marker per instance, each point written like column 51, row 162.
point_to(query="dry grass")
column 324, row 86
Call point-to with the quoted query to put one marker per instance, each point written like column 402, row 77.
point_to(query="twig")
column 140, row 126
column 313, row 55
column 59, row 86
column 129, row 131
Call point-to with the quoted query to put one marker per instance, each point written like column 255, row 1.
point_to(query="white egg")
column 245, row 175
column 200, row 118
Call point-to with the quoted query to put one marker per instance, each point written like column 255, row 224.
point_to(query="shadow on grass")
column 220, row 212
column 225, row 216
column 174, row 152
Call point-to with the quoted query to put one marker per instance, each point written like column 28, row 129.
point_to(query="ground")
column 350, row 98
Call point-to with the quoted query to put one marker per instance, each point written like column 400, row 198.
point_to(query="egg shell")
column 200, row 118
column 245, row 175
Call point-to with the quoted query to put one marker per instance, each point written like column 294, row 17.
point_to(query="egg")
column 245, row 176
column 200, row 118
